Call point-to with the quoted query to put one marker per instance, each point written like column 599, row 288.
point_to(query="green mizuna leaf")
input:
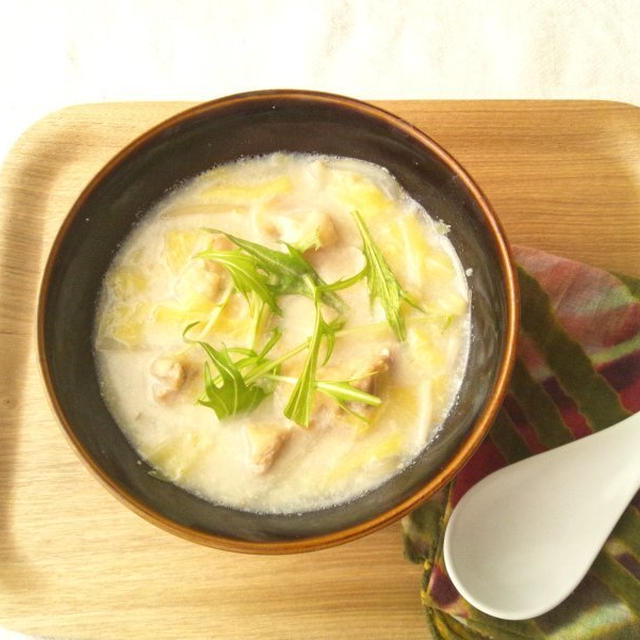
column 300, row 402
column 246, row 275
column 232, row 395
column 253, row 360
column 285, row 271
column 346, row 395
column 242, row 375
column 228, row 393
column 341, row 391
column 382, row 283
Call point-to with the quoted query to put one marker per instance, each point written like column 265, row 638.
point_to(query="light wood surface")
column 75, row 563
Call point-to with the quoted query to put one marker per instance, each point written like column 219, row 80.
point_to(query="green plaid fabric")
column 577, row 371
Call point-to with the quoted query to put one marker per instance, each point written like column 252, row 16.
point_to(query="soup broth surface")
column 387, row 386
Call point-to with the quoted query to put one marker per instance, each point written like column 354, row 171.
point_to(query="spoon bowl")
column 521, row 540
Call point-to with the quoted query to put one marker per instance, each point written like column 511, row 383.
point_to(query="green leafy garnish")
column 300, row 402
column 381, row 281
column 283, row 272
column 344, row 283
column 262, row 275
column 341, row 391
column 229, row 393
column 259, row 314
column 254, row 361
column 246, row 274
column 345, row 395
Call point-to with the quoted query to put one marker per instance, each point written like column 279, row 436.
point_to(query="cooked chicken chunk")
column 325, row 411
column 321, row 228
column 169, row 376
column 311, row 231
column 200, row 276
column 221, row 243
column 265, row 443
column 372, row 372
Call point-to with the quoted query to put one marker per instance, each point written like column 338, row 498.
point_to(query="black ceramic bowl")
column 217, row 132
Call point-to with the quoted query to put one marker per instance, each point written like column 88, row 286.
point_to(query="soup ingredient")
column 233, row 395
column 265, row 442
column 271, row 272
column 169, row 374
column 382, row 283
column 316, row 231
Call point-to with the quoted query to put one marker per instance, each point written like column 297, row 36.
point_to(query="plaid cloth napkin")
column 577, row 371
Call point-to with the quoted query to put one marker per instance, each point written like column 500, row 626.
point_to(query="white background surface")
column 73, row 51
column 53, row 54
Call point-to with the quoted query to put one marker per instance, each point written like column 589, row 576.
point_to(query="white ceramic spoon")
column 521, row 540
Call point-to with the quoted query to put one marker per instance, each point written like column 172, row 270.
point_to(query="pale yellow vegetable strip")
column 177, row 456
column 195, row 209
column 178, row 247
column 215, row 313
column 374, row 326
column 237, row 194
column 385, row 448
column 425, row 414
column 414, row 266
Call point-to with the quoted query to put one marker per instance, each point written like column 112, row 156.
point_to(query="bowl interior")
column 210, row 135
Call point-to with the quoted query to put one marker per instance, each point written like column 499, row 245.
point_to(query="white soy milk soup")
column 283, row 333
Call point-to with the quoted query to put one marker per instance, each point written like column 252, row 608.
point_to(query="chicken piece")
column 373, row 371
column 265, row 443
column 368, row 383
column 202, row 277
column 311, row 231
column 221, row 243
column 169, row 375
column 326, row 411
column 322, row 232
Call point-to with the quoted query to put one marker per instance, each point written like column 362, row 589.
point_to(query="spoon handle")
column 623, row 441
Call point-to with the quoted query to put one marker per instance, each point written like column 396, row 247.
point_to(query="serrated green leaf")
column 382, row 283
column 245, row 272
column 286, row 270
column 228, row 393
column 300, row 402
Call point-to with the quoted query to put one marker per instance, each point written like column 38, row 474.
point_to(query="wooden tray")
column 75, row 563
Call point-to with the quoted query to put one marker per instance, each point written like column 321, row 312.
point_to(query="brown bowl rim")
column 465, row 449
